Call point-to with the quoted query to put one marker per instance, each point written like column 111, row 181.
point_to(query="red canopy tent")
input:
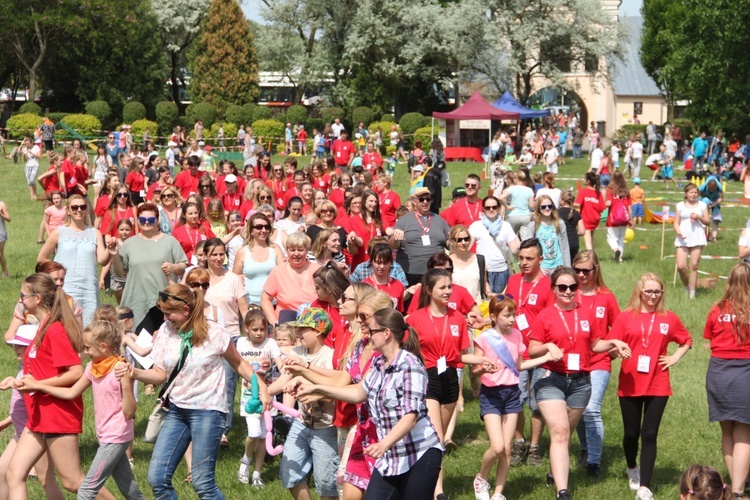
column 476, row 108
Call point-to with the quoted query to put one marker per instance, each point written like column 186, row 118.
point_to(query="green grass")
column 685, row 437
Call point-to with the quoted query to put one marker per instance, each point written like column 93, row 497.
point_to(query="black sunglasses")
column 167, row 196
column 77, row 208
column 585, row 272
column 261, row 227
column 546, row 207
column 424, row 199
column 197, row 284
column 462, row 240
column 564, row 288
column 122, row 195
column 491, row 207
column 164, row 297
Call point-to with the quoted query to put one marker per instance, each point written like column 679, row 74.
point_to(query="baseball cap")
column 209, row 148
column 25, row 335
column 637, row 180
column 201, row 143
column 171, row 144
column 459, row 192
column 421, row 191
column 417, row 168
column 315, row 318
column 230, row 178
column 38, row 140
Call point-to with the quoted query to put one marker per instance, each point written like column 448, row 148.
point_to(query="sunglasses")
column 471, row 186
column 546, row 207
column 164, row 297
column 278, row 170
column 580, row 270
column 424, row 199
column 77, row 208
column 502, row 296
column 326, row 211
column 653, row 293
column 122, row 195
column 266, row 197
column 198, row 284
column 147, row 220
column 344, row 299
column 167, row 196
column 564, row 288
column 262, row 227
column 462, row 240
column 363, row 319
column 491, row 207
column 376, row 330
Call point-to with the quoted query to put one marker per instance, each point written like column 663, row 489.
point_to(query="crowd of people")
column 350, row 314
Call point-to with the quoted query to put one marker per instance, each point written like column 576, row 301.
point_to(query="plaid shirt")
column 394, row 391
column 365, row 270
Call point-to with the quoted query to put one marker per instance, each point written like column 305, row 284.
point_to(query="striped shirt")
column 394, row 391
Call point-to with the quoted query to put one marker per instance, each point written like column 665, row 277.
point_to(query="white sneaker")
column 634, row 478
column 243, row 475
column 644, row 494
column 132, row 463
column 481, row 488
column 498, row 496
column 257, row 481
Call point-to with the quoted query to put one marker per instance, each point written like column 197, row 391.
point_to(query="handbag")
column 159, row 414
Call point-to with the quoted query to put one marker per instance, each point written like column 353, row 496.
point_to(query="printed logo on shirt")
column 453, row 306
column 600, row 311
column 387, row 201
column 454, row 330
column 532, row 299
column 585, row 326
column 664, row 328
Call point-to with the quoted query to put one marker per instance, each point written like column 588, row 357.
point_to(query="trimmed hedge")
column 234, row 114
column 424, row 134
column 268, row 129
column 22, row 123
column 330, row 114
column 297, row 114
column 133, row 111
column 230, row 134
column 140, row 126
column 262, row 113
column 57, row 117
column 86, row 125
column 388, row 118
column 385, row 127
column 167, row 116
column 30, row 107
column 248, row 114
column 362, row 114
column 99, row 109
column 201, row 110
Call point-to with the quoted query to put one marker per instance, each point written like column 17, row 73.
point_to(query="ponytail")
column 405, row 335
column 55, row 300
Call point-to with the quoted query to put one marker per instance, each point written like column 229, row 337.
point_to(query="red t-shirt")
column 647, row 334
column 231, row 201
column 370, row 159
column 135, row 181
column 440, row 336
column 69, row 172
column 572, row 331
column 323, row 183
column 462, row 212
column 187, row 183
column 291, row 193
column 338, row 197
column 302, row 135
column 108, row 227
column 152, row 188
column 342, row 152
column 605, row 308
column 188, row 237
column 101, row 205
column 51, row 183
column 246, row 207
column 46, row 413
column 82, row 175
column 364, row 231
column 720, row 331
column 395, row 290
column 460, row 300
column 592, row 206
column 390, row 202
column 531, row 299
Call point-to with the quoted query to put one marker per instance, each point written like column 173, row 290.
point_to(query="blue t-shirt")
column 563, row 137
column 699, row 146
column 548, row 237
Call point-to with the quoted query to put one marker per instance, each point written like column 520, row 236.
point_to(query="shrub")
column 99, row 109
column 248, row 114
column 133, row 111
column 687, row 126
column 313, row 123
column 411, row 122
column 234, row 114
column 388, row 118
column 167, row 116
column 86, row 125
column 330, row 114
column 424, row 134
column 268, row 129
column 31, row 108
column 57, row 117
column 201, row 110
column 389, row 150
column 230, row 134
column 362, row 114
column 297, row 114
column 385, row 127
column 262, row 113
column 281, row 148
column 626, row 131
column 22, row 123
column 140, row 126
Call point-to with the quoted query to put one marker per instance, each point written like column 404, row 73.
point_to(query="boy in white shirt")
column 550, row 158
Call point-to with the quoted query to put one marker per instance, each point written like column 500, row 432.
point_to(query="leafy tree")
column 223, row 63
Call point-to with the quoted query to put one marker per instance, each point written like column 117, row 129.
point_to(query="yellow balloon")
column 629, row 235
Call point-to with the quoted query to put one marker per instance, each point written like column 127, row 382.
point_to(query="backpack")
column 618, row 215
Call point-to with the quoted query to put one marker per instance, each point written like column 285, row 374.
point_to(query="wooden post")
column 664, row 216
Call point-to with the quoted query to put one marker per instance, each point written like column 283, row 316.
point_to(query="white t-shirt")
column 654, row 158
column 337, row 128
column 596, row 159
column 637, row 150
column 671, row 147
column 615, row 152
column 489, row 246
column 550, row 157
column 261, row 358
column 554, row 194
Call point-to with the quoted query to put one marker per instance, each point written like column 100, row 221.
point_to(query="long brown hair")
column 395, row 322
column 53, row 299
column 736, row 300
column 112, row 207
column 179, row 296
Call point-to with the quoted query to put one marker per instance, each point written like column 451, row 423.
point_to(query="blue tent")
column 508, row 103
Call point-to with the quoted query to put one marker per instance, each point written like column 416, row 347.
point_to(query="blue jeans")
column 203, row 428
column 577, row 151
column 230, row 380
column 591, row 427
column 498, row 280
column 306, row 449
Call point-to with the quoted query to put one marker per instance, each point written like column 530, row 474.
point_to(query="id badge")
column 442, row 365
column 532, row 299
column 522, row 322
column 143, row 193
column 574, row 362
column 425, row 240
column 644, row 364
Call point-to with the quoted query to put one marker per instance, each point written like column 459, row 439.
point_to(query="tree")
column 223, row 64
column 179, row 24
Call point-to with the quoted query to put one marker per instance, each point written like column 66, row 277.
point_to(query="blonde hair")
column 106, row 312
column 180, row 296
column 284, row 327
column 635, row 304
column 553, row 213
column 375, row 300
column 298, row 240
column 106, row 333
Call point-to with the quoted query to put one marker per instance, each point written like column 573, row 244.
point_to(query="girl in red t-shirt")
column 120, row 207
column 591, row 204
column 619, row 217
column 136, row 181
column 727, row 329
column 51, row 179
column 52, row 358
column 569, row 333
column 382, row 262
column 644, row 389
column 364, row 223
column 192, row 231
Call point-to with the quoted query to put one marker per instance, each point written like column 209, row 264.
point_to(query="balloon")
column 270, row 449
column 629, row 235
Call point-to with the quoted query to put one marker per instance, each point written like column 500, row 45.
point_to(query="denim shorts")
column 526, row 381
column 308, row 449
column 637, row 209
column 604, row 180
column 576, row 392
column 500, row 400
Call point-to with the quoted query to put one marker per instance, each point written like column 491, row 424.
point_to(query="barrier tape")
column 711, row 257
column 658, row 228
column 713, row 275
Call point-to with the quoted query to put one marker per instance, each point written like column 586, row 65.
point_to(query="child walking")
column 117, row 283
column 261, row 352
column 500, row 396
column 114, row 410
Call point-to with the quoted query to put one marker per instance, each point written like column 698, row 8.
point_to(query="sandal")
column 40, row 242
column 188, row 478
column 450, row 447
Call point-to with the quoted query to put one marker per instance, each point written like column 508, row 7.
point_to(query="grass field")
column 686, row 436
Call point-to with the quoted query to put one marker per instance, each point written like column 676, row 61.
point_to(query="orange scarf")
column 102, row 367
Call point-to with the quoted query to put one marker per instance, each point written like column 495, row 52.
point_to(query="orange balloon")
column 643, row 247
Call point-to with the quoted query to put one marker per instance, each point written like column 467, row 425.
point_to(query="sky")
column 251, row 8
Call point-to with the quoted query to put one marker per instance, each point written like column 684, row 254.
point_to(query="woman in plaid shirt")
column 408, row 454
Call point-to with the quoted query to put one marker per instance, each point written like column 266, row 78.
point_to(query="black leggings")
column 651, row 409
column 417, row 484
